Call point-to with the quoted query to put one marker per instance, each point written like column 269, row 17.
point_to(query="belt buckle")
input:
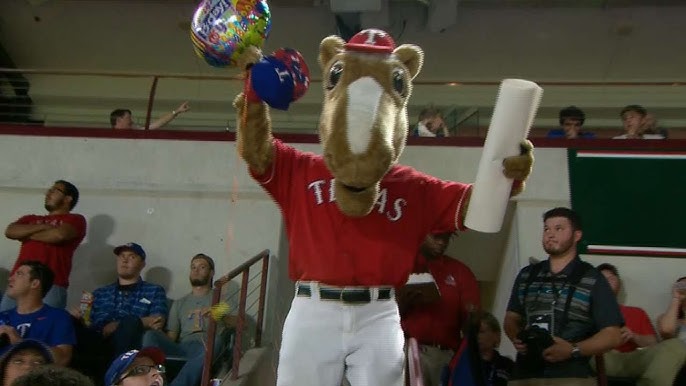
column 361, row 293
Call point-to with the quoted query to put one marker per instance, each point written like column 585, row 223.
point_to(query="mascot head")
column 363, row 127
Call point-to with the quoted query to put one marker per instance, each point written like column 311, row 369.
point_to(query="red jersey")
column 440, row 323
column 637, row 321
column 375, row 250
column 56, row 256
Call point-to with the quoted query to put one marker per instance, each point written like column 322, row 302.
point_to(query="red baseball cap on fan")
column 372, row 41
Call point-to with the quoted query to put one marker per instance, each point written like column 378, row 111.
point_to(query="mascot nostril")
column 355, row 218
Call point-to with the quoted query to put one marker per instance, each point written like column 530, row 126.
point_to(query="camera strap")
column 573, row 280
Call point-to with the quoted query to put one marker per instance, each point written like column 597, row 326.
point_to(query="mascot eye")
column 399, row 82
column 335, row 75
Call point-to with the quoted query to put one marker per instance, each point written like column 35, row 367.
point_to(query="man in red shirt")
column 640, row 356
column 50, row 239
column 437, row 325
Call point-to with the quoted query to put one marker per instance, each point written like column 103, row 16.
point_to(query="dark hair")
column 53, row 375
column 567, row 213
column 430, row 111
column 636, row 108
column 490, row 320
column 203, row 256
column 71, row 191
column 572, row 112
column 40, row 272
column 608, row 267
column 118, row 113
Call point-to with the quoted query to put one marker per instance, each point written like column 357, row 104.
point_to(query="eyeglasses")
column 141, row 370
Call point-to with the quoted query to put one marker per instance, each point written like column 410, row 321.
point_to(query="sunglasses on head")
column 141, row 370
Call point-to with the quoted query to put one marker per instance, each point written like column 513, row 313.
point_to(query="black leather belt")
column 345, row 295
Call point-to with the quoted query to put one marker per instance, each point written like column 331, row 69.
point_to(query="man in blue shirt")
column 125, row 309
column 31, row 319
column 571, row 121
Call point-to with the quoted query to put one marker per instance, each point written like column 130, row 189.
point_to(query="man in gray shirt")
column 188, row 323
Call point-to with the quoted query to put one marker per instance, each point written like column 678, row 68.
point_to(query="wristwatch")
column 576, row 351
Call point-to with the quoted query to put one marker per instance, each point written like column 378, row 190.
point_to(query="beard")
column 51, row 207
column 200, row 282
column 561, row 248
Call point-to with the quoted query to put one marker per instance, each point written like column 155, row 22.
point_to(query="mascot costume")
column 355, row 218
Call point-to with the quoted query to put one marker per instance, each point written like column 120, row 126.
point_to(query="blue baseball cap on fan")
column 280, row 78
column 119, row 365
column 39, row 346
column 133, row 247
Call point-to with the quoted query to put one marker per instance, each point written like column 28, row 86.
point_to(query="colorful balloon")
column 222, row 29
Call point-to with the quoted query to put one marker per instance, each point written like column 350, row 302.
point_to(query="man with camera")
column 561, row 310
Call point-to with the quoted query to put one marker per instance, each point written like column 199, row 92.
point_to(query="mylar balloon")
column 221, row 29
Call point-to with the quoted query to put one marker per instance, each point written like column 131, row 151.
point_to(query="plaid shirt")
column 110, row 303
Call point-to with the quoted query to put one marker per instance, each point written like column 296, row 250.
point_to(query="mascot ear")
column 328, row 48
column 411, row 56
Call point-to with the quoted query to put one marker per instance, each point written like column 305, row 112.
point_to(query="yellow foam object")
column 220, row 310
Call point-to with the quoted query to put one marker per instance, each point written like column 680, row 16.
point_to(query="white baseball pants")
column 323, row 340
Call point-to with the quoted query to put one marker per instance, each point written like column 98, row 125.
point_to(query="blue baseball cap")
column 280, row 78
column 133, row 247
column 37, row 345
column 119, row 365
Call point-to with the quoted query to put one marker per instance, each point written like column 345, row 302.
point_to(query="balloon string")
column 239, row 142
column 244, row 112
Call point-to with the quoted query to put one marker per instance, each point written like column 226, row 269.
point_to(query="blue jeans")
column 194, row 352
column 56, row 297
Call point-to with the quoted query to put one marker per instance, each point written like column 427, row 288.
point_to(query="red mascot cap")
column 371, row 41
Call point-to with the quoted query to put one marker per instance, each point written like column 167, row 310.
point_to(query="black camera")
column 536, row 339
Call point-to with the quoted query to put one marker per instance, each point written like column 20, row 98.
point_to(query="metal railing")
column 242, row 270
column 68, row 98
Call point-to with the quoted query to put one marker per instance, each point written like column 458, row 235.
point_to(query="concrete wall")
column 178, row 198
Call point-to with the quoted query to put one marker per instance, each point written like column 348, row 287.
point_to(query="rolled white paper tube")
column 514, row 112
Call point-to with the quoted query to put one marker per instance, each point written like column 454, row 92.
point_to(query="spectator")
column 51, row 375
column 437, row 325
column 32, row 319
column 121, row 119
column 124, row 310
column 22, row 357
column 431, row 124
column 553, row 335
column 571, row 120
column 658, row 363
column 497, row 369
column 187, row 325
column 650, row 128
column 137, row 368
column 672, row 323
column 50, row 239
column 635, row 124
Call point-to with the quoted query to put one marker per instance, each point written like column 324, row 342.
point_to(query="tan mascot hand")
column 519, row 166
